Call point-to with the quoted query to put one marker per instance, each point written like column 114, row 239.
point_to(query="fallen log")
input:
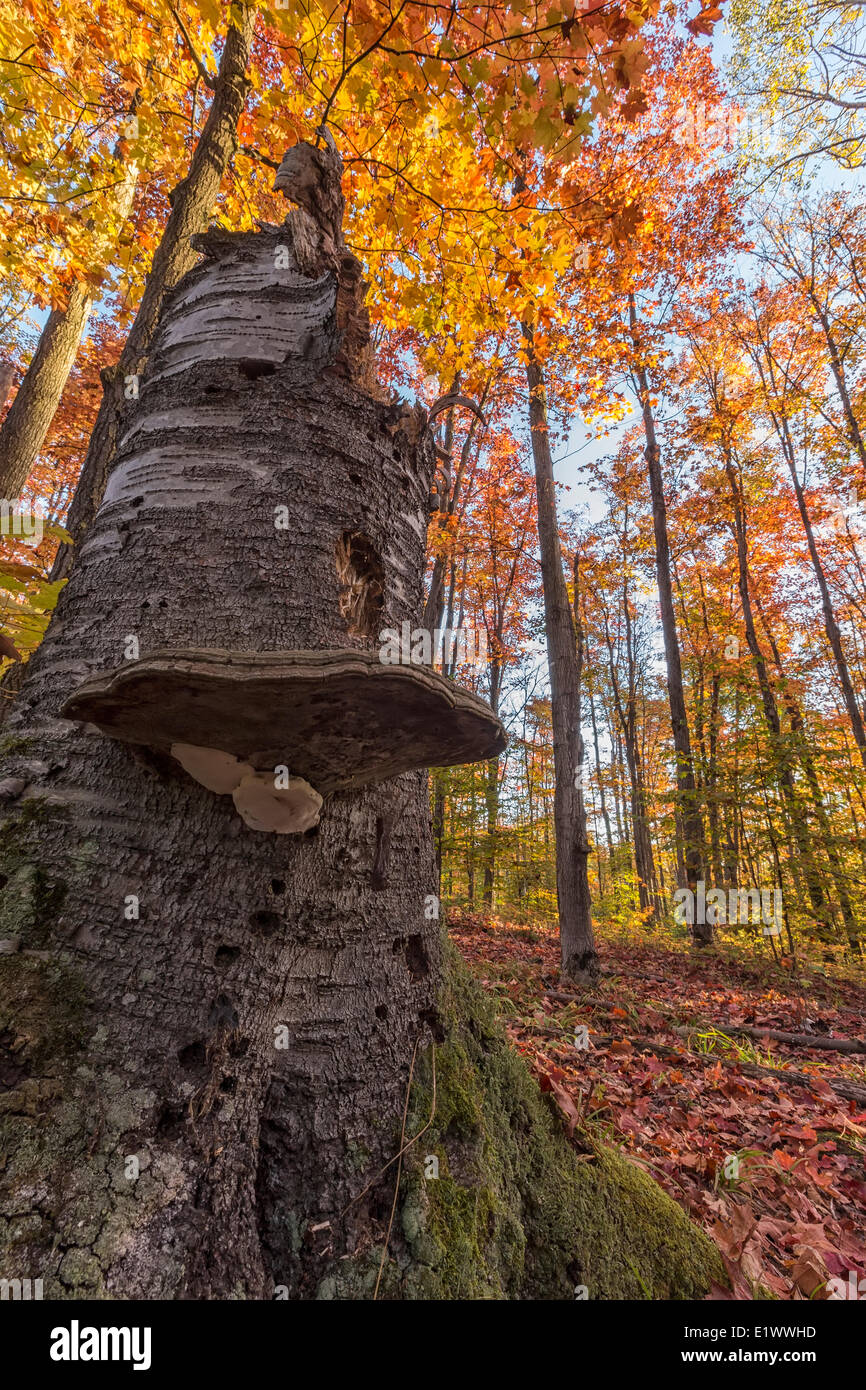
column 847, row 1089
column 820, row 1042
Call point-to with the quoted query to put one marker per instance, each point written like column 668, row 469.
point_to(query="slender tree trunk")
column 689, row 808
column 713, row 783
column 807, row 763
column 608, row 834
column 191, row 205
column 831, row 627
column 780, row 752
column 626, row 711
column 29, row 417
column 7, row 376
column 23, row 432
column 767, row 372
column 579, row 956
column 491, row 792
column 838, row 369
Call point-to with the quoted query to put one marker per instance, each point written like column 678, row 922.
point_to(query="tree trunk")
column 579, row 956
column 23, row 432
column 7, row 376
column 831, row 627
column 209, row 1032
column 29, row 417
column 838, row 370
column 627, row 715
column 690, row 819
column 807, row 762
column 780, row 752
column 191, row 204
column 491, row 789
column 605, row 814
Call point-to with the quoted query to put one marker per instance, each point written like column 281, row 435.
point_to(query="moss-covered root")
column 516, row 1212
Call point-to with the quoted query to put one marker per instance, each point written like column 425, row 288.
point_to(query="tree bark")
column 579, row 955
column 23, row 432
column 191, row 204
column 155, row 1037
column 29, row 417
column 780, row 752
column 208, row 1033
column 689, row 808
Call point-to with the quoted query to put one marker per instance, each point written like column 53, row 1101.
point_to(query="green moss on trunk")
column 517, row 1211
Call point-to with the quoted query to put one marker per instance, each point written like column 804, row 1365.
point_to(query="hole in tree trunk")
column 416, row 958
column 193, row 1055
column 171, row 1122
column 265, row 922
column 13, row 1069
column 362, row 583
column 252, row 368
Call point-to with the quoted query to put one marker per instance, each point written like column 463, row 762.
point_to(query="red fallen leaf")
column 618, row 1013
column 810, row 1274
column 740, row 1286
column 741, row 1223
column 621, row 1045
column 811, row 1236
column 696, row 1161
column 567, row 1106
column 628, row 1122
column 821, row 1088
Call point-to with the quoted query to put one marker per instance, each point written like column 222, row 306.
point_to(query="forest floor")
column 772, row 1168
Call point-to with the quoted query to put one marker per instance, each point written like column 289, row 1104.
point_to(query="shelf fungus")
column 334, row 719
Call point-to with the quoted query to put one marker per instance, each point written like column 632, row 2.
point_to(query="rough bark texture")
column 155, row 1037
column 517, row 1210
column 207, row 1034
column 29, row 416
column 23, row 432
column 579, row 956
column 191, row 205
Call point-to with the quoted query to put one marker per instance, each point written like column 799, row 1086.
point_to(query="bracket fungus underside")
column 335, row 719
